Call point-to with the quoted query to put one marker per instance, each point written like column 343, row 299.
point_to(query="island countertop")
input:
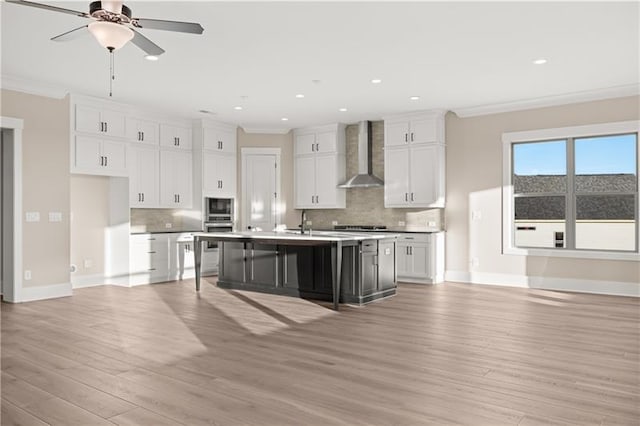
column 291, row 236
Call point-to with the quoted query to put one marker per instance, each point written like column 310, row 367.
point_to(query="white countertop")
column 296, row 236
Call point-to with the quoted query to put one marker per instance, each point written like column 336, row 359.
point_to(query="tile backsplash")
column 365, row 206
column 156, row 220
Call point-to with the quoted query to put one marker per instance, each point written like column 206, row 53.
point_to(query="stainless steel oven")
column 219, row 217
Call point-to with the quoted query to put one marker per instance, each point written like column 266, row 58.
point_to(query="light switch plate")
column 55, row 217
column 431, row 223
column 168, row 225
column 334, row 222
column 32, row 216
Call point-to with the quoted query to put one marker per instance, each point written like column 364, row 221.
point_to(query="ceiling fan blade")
column 51, row 8
column 158, row 24
column 149, row 47
column 70, row 35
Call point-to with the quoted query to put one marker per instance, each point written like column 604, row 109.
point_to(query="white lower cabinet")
column 160, row 257
column 420, row 257
column 95, row 156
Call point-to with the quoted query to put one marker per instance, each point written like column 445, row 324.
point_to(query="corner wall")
column 474, row 179
column 45, row 169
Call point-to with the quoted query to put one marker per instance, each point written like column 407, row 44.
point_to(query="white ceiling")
column 260, row 55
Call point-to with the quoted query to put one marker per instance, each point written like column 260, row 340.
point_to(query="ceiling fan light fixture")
column 110, row 35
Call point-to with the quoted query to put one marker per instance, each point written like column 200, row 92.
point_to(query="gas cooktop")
column 359, row 227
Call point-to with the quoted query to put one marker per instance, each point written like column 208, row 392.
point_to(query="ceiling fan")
column 113, row 25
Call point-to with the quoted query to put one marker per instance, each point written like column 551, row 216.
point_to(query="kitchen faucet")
column 303, row 219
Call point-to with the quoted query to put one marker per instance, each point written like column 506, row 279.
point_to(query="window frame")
column 569, row 134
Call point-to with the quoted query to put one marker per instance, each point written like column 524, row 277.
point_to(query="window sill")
column 575, row 254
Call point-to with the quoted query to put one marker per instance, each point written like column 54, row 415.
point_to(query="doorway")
column 260, row 188
column 11, row 208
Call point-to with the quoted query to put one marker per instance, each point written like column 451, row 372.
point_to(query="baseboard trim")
column 53, row 291
column 612, row 288
column 83, row 281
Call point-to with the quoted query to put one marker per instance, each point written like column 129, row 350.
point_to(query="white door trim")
column 13, row 292
column 244, row 154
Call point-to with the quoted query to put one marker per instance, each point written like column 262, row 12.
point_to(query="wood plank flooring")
column 447, row 354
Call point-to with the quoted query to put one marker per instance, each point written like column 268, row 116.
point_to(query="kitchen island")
column 352, row 267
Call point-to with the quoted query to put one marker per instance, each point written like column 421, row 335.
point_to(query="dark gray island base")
column 358, row 268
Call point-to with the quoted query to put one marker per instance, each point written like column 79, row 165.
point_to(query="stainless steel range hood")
column 365, row 177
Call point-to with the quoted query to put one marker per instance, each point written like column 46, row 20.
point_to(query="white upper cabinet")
column 97, row 120
column 219, row 139
column 175, row 179
column 219, row 175
column 415, row 128
column 143, row 131
column 414, row 161
column 175, row 136
column 319, row 166
column 98, row 157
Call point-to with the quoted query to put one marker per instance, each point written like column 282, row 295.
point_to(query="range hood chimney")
column 365, row 177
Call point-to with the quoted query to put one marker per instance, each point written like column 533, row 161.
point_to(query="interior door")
column 259, row 203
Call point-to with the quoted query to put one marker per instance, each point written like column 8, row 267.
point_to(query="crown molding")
column 281, row 131
column 548, row 101
column 31, row 87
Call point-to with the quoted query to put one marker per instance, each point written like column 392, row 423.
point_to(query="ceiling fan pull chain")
column 112, row 73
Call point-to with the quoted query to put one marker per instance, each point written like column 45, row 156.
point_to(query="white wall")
column 474, row 178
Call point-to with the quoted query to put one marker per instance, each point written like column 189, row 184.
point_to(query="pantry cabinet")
column 144, row 170
column 319, row 166
column 175, row 179
column 414, row 161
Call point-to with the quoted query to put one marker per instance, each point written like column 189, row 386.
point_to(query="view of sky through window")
column 596, row 155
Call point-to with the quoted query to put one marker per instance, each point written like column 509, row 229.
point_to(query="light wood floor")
column 448, row 354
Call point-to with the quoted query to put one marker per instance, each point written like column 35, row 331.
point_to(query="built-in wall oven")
column 218, row 217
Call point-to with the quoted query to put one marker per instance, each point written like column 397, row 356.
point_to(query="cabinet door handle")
column 411, row 250
column 106, row 161
column 406, row 196
column 142, row 135
column 101, row 160
column 106, row 127
column 412, row 196
column 406, row 137
column 178, row 141
column 411, row 136
column 313, row 147
column 143, row 197
column 221, row 144
column 178, row 198
column 317, row 147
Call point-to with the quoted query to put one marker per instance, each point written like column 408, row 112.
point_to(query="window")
column 572, row 191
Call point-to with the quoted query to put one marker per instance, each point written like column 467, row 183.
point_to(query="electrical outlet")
column 55, row 217
column 309, row 223
column 476, row 215
column 431, row 224
column 32, row 216
column 168, row 225
column 334, row 222
column 88, row 263
column 27, row 275
column 401, row 223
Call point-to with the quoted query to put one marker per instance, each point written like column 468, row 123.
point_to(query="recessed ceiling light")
column 206, row 111
column 237, row 108
column 299, row 96
column 151, row 58
column 284, row 119
column 414, row 98
column 540, row 61
column 376, row 81
column 342, row 110
column 316, row 81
